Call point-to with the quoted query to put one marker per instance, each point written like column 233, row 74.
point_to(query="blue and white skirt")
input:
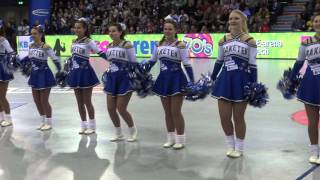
column 42, row 78
column 82, row 74
column 309, row 89
column 170, row 83
column 117, row 83
column 230, row 85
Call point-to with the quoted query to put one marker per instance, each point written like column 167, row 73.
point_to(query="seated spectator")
column 264, row 13
column 298, row 24
column 145, row 16
column 183, row 17
column 254, row 27
column 265, row 26
column 23, row 28
column 204, row 29
column 173, row 15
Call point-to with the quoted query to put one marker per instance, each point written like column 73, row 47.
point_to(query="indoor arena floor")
column 276, row 147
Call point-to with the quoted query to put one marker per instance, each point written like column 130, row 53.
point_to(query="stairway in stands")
column 285, row 20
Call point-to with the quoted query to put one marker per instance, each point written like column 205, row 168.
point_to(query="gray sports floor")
column 276, row 147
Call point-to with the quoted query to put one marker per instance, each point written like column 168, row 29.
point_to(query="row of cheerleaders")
column 236, row 82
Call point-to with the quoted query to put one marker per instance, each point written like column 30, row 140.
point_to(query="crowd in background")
column 147, row 16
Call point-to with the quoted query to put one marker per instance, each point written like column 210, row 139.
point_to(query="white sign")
column 23, row 45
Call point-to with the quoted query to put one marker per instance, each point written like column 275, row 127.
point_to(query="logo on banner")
column 23, row 45
column 304, row 38
column 200, row 45
column 41, row 12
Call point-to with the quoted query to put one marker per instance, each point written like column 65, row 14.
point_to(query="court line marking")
column 310, row 170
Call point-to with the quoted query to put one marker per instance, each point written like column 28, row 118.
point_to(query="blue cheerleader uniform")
column 5, row 51
column 171, row 80
column 117, row 77
column 82, row 74
column 309, row 89
column 41, row 76
column 238, row 59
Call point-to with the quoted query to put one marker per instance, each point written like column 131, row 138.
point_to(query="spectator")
column 145, row 16
column 298, row 24
column 23, row 28
column 204, row 29
column 245, row 9
column 173, row 15
column 263, row 14
column 254, row 27
column 183, row 17
column 48, row 28
column 265, row 26
column 10, row 34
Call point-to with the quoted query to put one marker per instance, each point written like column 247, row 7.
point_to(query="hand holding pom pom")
column 61, row 77
column 11, row 63
column 200, row 89
column 141, row 80
column 26, row 66
column 145, row 66
column 105, row 77
column 288, row 87
column 256, row 94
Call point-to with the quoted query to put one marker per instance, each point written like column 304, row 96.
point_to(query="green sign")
column 270, row 45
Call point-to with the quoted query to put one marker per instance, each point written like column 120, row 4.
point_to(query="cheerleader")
column 82, row 77
column 309, row 89
column 171, row 81
column 121, row 55
column 5, row 77
column 237, row 54
column 41, row 78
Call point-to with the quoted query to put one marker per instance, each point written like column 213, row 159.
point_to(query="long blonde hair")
column 244, row 20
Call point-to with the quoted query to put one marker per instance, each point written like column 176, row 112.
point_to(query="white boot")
column 83, row 127
column 118, row 136
column 47, row 125
column 231, row 144
column 42, row 117
column 314, row 150
column 180, row 142
column 170, row 140
column 238, row 152
column 91, row 127
column 133, row 132
column 7, row 121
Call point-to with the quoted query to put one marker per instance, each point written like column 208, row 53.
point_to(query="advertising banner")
column 270, row 45
column 39, row 10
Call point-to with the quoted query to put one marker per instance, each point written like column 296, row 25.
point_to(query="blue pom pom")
column 11, row 63
column 68, row 65
column 140, row 80
column 288, row 87
column 256, row 94
column 145, row 66
column 200, row 89
column 61, row 78
column 26, row 66
column 105, row 77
